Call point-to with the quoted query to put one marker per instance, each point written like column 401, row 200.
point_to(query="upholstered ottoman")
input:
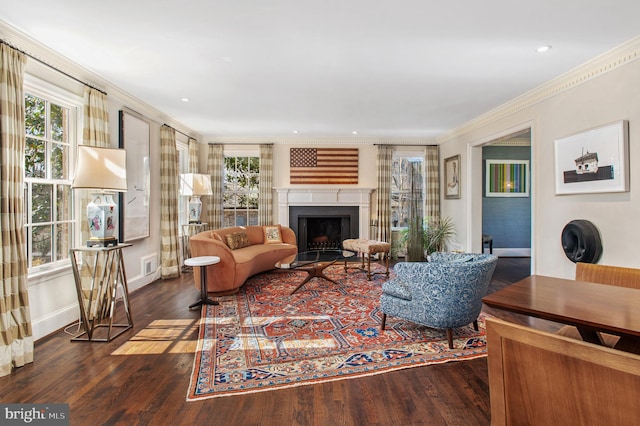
column 367, row 248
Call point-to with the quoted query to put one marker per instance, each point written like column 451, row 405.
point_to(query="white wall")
column 598, row 93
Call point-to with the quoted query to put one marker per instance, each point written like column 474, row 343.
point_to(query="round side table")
column 202, row 262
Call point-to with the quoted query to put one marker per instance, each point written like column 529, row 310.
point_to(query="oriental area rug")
column 264, row 338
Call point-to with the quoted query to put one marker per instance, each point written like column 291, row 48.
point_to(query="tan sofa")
column 239, row 264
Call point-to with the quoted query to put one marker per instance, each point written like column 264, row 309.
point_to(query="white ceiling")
column 401, row 68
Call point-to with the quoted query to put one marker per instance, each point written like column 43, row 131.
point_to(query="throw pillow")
column 272, row 234
column 237, row 240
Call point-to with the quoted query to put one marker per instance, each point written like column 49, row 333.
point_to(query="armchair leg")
column 475, row 325
column 384, row 321
column 450, row 337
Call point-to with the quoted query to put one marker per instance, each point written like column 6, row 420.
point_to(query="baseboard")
column 53, row 322
column 511, row 252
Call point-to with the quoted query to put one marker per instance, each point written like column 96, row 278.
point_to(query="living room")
column 602, row 90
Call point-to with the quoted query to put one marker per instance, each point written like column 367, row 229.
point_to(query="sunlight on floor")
column 163, row 336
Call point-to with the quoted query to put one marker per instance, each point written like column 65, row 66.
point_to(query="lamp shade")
column 100, row 168
column 195, row 184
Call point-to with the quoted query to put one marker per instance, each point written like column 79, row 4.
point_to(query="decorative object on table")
column 594, row 161
column 437, row 232
column 452, row 177
column 445, row 293
column 103, row 170
column 195, row 185
column 263, row 338
column 507, row 178
column 98, row 273
column 581, row 241
column 134, row 204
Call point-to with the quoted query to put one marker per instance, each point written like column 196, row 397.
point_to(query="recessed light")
column 355, row 132
column 543, row 49
column 185, row 99
column 295, row 132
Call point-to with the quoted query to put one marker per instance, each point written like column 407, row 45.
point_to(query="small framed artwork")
column 452, row 177
column 507, row 178
column 593, row 161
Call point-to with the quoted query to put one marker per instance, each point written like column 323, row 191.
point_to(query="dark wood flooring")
column 141, row 377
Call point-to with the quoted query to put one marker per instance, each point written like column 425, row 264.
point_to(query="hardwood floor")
column 141, row 378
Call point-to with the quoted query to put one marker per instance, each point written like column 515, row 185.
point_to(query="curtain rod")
column 53, row 68
column 182, row 133
column 387, row 144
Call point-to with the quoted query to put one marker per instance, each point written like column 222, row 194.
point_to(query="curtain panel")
column 265, row 198
column 432, row 171
column 383, row 193
column 215, row 169
column 16, row 336
column 169, row 183
column 192, row 167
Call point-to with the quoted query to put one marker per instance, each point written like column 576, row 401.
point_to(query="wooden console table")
column 98, row 273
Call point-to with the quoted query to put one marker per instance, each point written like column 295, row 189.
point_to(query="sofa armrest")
column 204, row 246
column 288, row 236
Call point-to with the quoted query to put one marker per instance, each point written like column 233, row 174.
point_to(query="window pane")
column 41, row 253
column 59, row 123
column 35, row 118
column 64, row 207
column 63, row 241
column 34, row 159
column 41, row 196
column 241, row 218
column 253, row 201
column 254, row 164
column 229, row 218
column 253, row 217
column 59, row 161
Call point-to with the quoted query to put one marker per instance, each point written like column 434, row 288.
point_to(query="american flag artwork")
column 324, row 166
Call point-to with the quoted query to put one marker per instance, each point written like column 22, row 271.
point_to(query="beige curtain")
column 265, row 198
column 432, row 171
column 215, row 168
column 95, row 132
column 16, row 337
column 169, row 170
column 193, row 156
column 383, row 199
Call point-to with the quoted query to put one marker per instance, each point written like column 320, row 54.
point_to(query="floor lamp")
column 105, row 171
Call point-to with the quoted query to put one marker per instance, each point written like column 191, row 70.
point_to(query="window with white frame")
column 405, row 166
column 51, row 137
column 241, row 190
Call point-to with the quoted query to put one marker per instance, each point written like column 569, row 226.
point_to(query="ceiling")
column 403, row 68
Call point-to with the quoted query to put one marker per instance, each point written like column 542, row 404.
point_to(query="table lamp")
column 195, row 185
column 104, row 170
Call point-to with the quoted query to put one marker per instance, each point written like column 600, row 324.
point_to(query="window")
column 403, row 167
column 241, row 190
column 50, row 127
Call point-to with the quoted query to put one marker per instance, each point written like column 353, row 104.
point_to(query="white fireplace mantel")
column 360, row 197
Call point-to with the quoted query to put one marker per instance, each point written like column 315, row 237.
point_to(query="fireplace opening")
column 323, row 227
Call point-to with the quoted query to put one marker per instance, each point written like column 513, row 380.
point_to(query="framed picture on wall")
column 593, row 161
column 507, row 178
column 452, row 177
column 134, row 204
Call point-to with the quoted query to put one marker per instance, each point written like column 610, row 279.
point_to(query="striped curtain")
column 192, row 167
column 16, row 337
column 383, row 200
column 215, row 169
column 169, row 170
column 432, row 171
column 265, row 198
column 95, row 132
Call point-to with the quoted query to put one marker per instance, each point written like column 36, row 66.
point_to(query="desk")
column 98, row 273
column 590, row 307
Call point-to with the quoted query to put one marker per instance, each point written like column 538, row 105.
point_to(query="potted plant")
column 434, row 233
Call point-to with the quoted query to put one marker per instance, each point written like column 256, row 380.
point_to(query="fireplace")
column 323, row 227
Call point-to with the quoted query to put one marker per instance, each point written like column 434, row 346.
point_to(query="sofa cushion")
column 272, row 234
column 237, row 240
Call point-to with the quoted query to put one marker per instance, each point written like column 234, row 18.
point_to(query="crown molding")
column 61, row 64
column 596, row 67
column 320, row 140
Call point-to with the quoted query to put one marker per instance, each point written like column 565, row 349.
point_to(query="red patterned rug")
column 262, row 338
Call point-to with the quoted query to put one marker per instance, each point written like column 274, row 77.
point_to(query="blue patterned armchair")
column 444, row 293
